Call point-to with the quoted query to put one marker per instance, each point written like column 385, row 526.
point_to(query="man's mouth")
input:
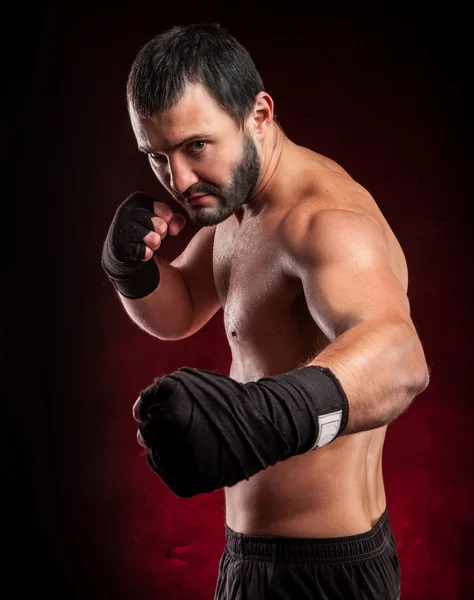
column 197, row 199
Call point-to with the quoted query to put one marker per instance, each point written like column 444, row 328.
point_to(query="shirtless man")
column 313, row 285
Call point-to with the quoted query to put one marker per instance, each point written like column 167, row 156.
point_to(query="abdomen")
column 333, row 491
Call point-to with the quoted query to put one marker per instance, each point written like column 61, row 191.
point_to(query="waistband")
column 353, row 547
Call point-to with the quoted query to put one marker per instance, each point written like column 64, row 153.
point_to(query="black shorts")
column 363, row 566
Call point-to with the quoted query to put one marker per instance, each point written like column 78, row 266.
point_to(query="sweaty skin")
column 337, row 490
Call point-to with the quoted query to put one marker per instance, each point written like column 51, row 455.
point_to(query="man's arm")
column 170, row 301
column 205, row 430
column 355, row 298
column 185, row 299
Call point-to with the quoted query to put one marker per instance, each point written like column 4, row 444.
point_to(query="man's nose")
column 182, row 177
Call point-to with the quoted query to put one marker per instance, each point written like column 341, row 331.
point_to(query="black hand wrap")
column 124, row 250
column 206, row 431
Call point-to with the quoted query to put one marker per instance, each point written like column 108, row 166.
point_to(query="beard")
column 233, row 196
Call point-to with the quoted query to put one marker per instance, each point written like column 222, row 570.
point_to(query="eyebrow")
column 171, row 147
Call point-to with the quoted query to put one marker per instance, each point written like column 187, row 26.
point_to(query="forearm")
column 206, row 431
column 166, row 313
column 381, row 367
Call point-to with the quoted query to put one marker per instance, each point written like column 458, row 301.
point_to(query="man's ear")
column 262, row 116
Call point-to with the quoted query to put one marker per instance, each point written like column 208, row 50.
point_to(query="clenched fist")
column 139, row 227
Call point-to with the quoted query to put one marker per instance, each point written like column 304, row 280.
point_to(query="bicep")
column 195, row 265
column 342, row 261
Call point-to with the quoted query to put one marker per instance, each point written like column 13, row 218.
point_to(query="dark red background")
column 385, row 94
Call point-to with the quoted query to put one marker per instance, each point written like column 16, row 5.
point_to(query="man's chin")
column 207, row 217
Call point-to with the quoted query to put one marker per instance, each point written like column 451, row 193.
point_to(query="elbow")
column 415, row 369
column 421, row 378
column 413, row 381
column 425, row 376
column 165, row 332
column 417, row 375
column 414, row 376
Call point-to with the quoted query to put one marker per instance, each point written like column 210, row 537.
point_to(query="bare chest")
column 248, row 278
column 266, row 319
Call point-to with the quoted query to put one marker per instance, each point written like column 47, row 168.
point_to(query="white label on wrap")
column 328, row 428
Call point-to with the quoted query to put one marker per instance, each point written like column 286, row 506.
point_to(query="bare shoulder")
column 324, row 183
column 332, row 204
column 336, row 218
column 325, row 193
column 314, row 235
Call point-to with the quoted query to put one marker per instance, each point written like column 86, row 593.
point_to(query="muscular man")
column 313, row 285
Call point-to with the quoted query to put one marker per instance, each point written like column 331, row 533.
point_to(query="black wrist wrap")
column 206, row 431
column 124, row 250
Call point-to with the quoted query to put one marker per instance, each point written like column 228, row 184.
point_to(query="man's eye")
column 196, row 146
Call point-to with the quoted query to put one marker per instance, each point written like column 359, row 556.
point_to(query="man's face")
column 196, row 149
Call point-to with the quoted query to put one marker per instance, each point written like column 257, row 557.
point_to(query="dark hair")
column 205, row 54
